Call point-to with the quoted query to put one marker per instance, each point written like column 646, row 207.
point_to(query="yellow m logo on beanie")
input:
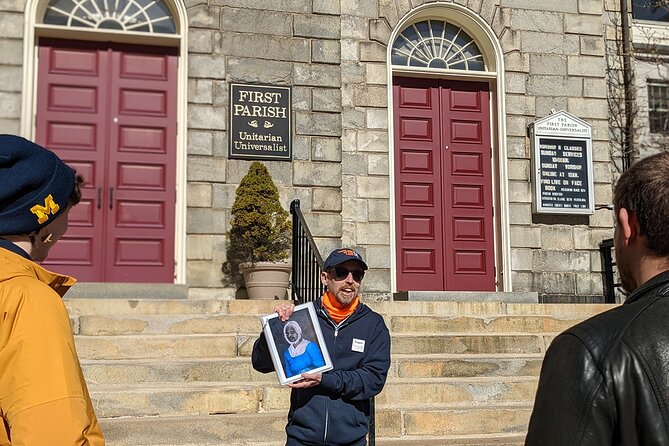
column 42, row 212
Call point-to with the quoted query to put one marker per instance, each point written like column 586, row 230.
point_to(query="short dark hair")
column 644, row 190
column 75, row 196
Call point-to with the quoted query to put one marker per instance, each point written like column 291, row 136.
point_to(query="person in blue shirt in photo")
column 302, row 355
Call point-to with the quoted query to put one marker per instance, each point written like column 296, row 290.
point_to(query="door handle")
column 99, row 198
column 111, row 198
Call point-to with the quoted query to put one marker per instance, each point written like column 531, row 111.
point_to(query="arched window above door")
column 144, row 16
column 436, row 44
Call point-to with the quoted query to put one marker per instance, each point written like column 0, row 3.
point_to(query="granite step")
column 168, row 324
column 168, row 372
column 462, row 365
column 478, row 440
column 426, row 343
column 90, row 325
column 481, row 309
column 168, row 399
column 408, row 393
column 450, row 424
column 455, row 440
column 91, row 306
column 175, row 400
column 143, row 370
column 158, row 346
column 486, row 324
column 230, row 429
column 453, row 420
column 120, row 371
column 232, row 345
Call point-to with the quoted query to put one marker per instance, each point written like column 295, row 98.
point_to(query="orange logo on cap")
column 347, row 252
column 42, row 212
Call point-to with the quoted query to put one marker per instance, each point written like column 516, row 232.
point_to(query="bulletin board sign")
column 562, row 173
column 260, row 122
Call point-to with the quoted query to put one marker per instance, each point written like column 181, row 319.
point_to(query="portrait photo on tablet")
column 296, row 345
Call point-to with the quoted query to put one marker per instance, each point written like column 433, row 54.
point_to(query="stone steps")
column 169, row 324
column 90, row 325
column 464, row 365
column 232, row 345
column 83, row 306
column 120, row 371
column 193, row 398
column 480, row 309
column 472, row 324
column 158, row 346
column 460, row 440
column 451, row 440
column 456, row 425
column 146, row 400
column 408, row 393
column 434, row 343
column 449, row 421
column 230, row 429
column 168, row 372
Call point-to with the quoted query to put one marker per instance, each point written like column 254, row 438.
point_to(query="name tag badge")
column 358, row 345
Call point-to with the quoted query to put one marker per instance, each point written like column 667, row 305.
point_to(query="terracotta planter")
column 266, row 280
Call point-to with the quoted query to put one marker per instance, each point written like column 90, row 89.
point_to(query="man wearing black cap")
column 43, row 396
column 332, row 408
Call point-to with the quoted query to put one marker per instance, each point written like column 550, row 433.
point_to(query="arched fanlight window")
column 436, row 44
column 148, row 16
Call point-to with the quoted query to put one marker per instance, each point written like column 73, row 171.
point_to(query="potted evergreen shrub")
column 259, row 237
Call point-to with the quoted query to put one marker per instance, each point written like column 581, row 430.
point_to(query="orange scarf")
column 337, row 311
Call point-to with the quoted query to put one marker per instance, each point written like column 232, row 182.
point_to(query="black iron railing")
column 306, row 283
column 609, row 284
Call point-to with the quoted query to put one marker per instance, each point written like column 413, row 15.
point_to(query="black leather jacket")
column 606, row 380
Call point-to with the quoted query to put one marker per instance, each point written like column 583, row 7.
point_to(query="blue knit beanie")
column 35, row 186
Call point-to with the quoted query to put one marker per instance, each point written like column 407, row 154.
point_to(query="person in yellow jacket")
column 43, row 396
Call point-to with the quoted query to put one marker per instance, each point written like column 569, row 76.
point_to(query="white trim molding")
column 34, row 29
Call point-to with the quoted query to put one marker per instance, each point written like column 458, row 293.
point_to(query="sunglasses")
column 341, row 273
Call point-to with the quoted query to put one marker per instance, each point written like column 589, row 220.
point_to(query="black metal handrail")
column 609, row 284
column 306, row 283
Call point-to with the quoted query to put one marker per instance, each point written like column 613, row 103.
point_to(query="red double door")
column 109, row 111
column 444, row 198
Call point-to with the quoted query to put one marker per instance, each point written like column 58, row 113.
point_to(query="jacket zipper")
column 327, row 406
column 336, row 333
column 327, row 418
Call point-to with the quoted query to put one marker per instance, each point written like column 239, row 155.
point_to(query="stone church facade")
column 374, row 84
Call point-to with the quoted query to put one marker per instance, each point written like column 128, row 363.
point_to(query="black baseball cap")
column 341, row 255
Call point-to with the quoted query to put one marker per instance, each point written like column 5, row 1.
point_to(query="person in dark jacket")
column 333, row 407
column 606, row 380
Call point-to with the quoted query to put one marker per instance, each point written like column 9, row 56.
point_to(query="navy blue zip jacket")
column 336, row 412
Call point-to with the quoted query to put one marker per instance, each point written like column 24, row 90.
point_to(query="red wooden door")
column 110, row 112
column 444, row 203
